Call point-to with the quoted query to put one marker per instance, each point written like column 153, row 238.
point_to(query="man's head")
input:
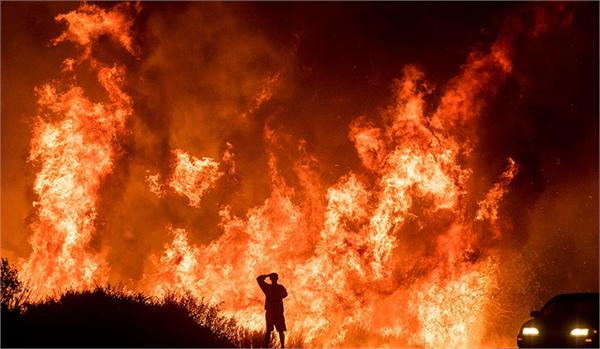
column 274, row 277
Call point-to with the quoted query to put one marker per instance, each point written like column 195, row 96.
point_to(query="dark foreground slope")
column 102, row 318
column 106, row 317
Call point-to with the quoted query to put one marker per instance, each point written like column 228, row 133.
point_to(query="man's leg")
column 269, row 328
column 282, row 338
column 268, row 339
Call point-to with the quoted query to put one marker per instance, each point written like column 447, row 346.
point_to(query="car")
column 567, row 320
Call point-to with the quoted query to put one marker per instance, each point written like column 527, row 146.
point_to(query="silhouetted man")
column 274, row 295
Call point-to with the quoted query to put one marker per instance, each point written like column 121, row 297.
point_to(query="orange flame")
column 74, row 144
column 193, row 177
column 86, row 24
column 264, row 94
column 154, row 184
column 488, row 207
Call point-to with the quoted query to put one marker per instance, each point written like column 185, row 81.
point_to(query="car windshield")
column 570, row 305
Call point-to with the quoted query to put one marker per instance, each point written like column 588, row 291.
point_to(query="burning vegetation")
column 401, row 249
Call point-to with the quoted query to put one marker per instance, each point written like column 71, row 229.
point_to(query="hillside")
column 105, row 317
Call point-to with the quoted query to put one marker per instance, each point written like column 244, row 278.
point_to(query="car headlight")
column 580, row 332
column 530, row 331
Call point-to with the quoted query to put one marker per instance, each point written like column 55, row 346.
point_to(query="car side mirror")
column 534, row 313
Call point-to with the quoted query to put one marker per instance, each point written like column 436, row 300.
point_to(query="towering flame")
column 74, row 146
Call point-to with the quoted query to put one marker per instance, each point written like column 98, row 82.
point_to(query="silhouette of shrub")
column 109, row 317
column 13, row 294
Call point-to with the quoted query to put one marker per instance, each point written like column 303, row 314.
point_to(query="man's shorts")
column 275, row 319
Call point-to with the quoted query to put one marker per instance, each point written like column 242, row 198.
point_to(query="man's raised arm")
column 261, row 281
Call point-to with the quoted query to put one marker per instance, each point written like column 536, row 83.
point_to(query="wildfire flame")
column 74, row 144
column 488, row 207
column 347, row 252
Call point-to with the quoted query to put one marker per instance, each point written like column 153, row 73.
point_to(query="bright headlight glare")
column 579, row 332
column 530, row 331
